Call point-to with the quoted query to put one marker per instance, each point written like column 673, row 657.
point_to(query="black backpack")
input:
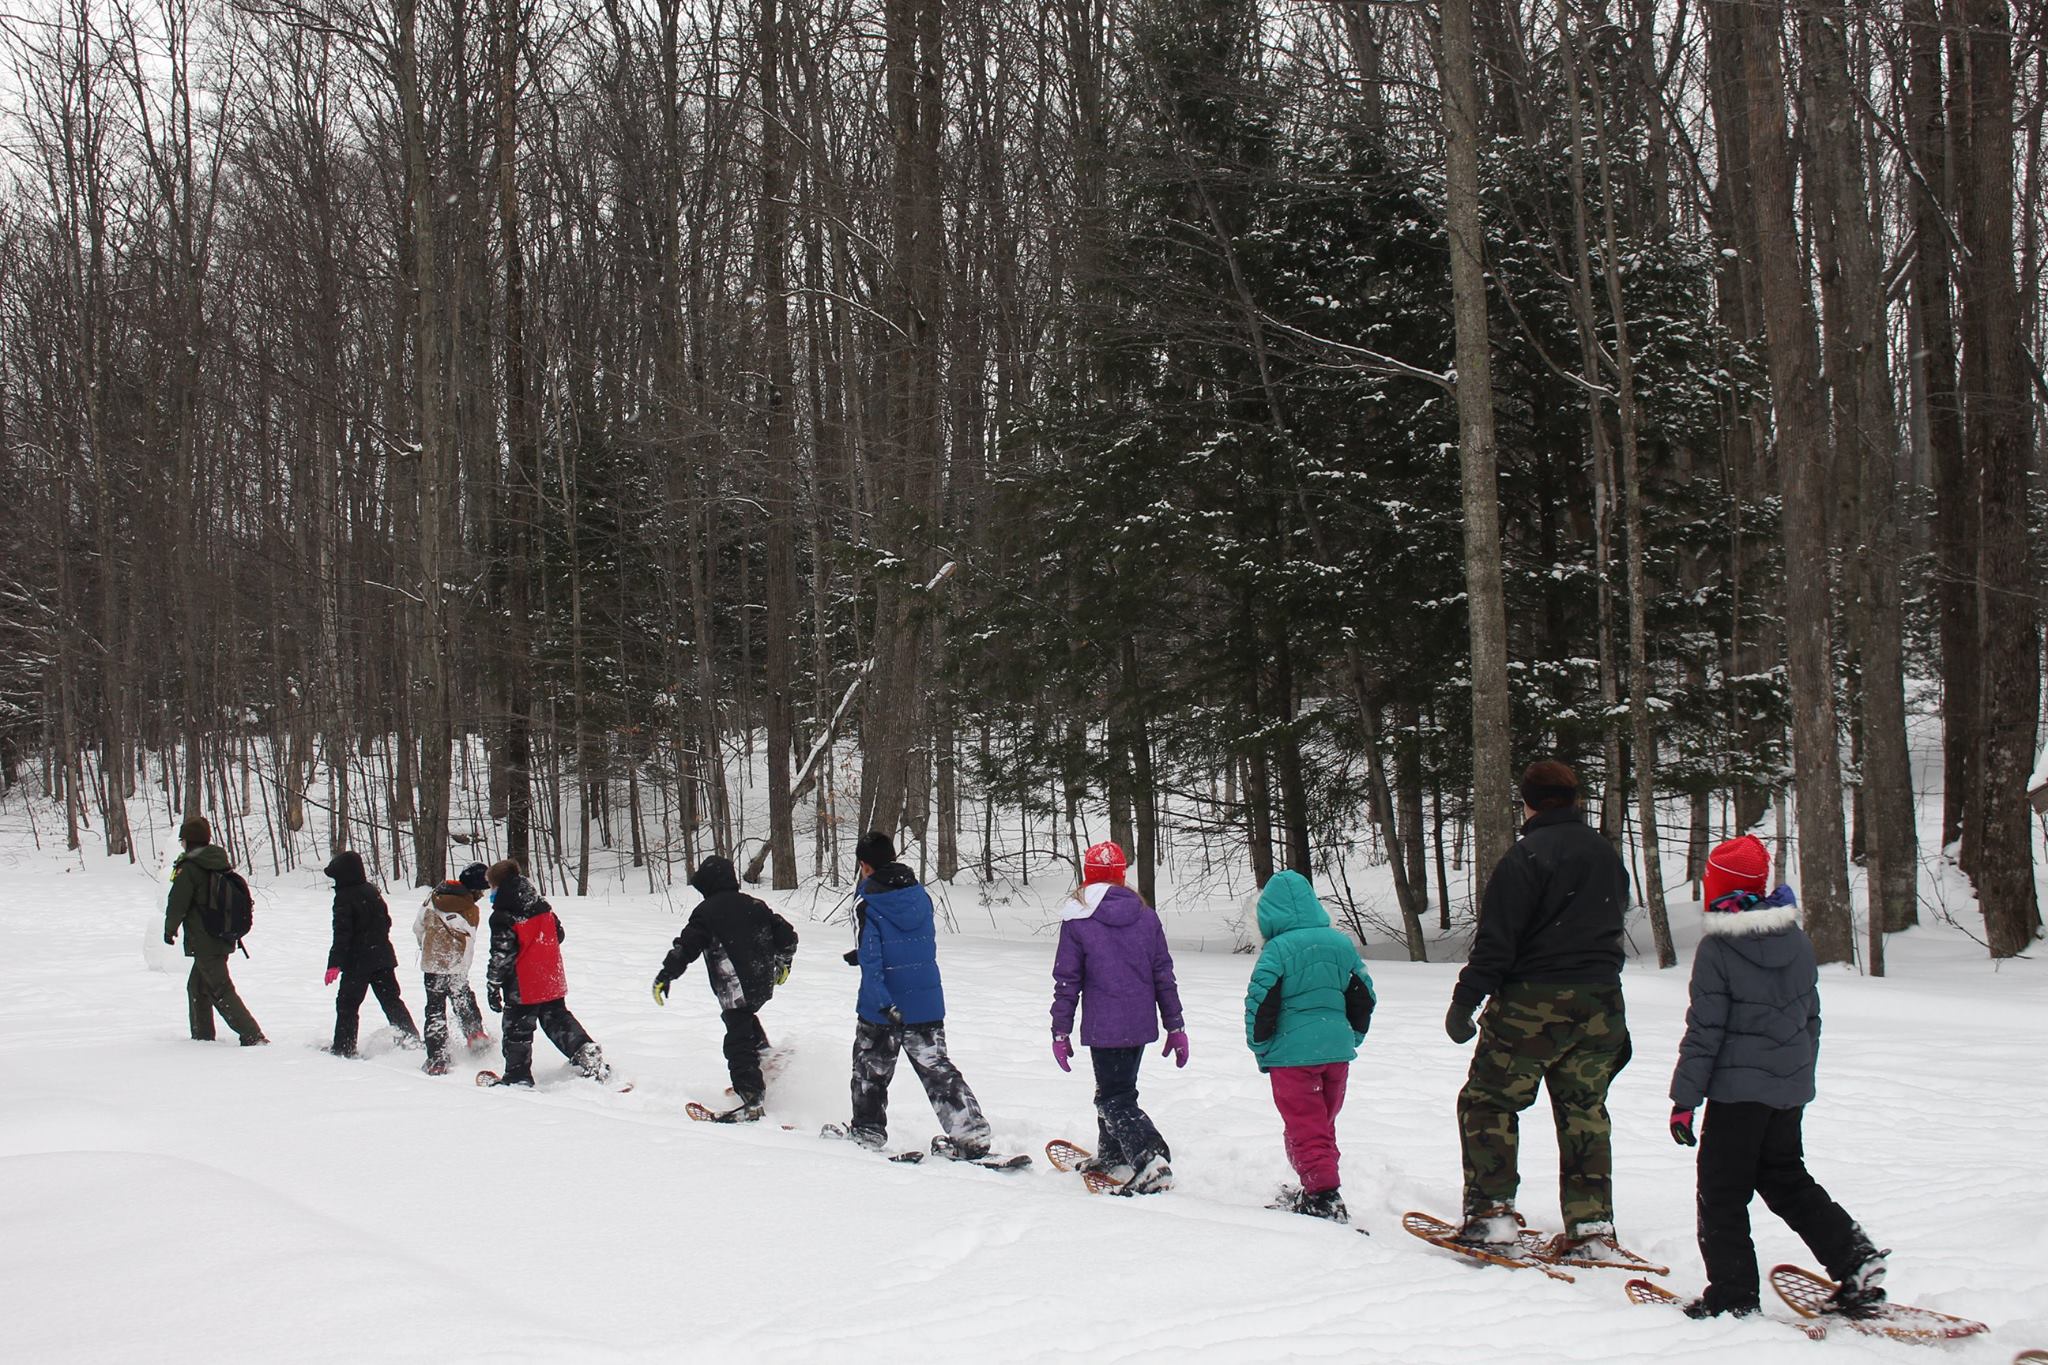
column 228, row 911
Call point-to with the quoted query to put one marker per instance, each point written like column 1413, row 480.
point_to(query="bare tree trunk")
column 1805, row 460
column 515, row 521
column 1935, row 362
column 1492, row 785
column 432, row 471
column 1866, row 429
column 1998, row 406
column 772, row 251
column 911, row 456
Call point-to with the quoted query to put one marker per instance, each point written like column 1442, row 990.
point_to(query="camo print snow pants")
column 875, row 1047
column 1572, row 1040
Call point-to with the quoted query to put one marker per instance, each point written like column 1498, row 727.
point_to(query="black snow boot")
column 1861, row 1292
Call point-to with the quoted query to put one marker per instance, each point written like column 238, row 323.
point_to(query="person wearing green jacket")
column 1306, row 1010
column 209, row 987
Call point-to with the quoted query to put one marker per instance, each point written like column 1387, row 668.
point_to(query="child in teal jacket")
column 1306, row 1010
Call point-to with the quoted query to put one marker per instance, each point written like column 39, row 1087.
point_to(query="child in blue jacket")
column 902, row 1007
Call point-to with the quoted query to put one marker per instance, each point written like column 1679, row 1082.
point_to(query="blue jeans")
column 1123, row 1132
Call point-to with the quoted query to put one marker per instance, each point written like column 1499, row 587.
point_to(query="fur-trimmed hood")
column 1742, row 915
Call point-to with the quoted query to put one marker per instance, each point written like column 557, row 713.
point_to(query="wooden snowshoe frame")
column 1437, row 1232
column 1807, row 1295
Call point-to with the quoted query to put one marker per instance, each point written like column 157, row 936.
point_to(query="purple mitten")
column 1063, row 1051
column 1177, row 1047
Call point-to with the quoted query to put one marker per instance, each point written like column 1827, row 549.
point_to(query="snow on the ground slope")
column 166, row 1200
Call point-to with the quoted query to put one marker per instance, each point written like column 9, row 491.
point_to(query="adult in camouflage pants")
column 1547, row 953
column 1572, row 1040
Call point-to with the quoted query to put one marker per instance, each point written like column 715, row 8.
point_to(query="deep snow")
column 170, row 1201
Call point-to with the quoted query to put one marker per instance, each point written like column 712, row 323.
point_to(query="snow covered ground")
column 172, row 1201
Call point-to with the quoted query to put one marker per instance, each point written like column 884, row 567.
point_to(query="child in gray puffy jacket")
column 1752, row 1036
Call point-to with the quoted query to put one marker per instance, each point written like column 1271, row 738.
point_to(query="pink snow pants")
column 1308, row 1098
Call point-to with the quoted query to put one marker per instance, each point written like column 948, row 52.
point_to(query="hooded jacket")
column 446, row 930
column 899, row 950
column 1114, row 962
column 744, row 944
column 1752, row 1032
column 1552, row 911
column 362, row 923
column 1310, row 999
column 189, row 876
column 526, row 946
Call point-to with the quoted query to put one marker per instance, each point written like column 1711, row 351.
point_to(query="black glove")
column 494, row 996
column 1458, row 1023
column 852, row 957
column 1681, row 1128
column 170, row 936
column 893, row 1015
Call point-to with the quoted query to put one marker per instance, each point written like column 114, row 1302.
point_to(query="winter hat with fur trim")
column 1103, row 862
column 1742, row 864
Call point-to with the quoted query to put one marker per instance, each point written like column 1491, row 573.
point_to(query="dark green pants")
column 1571, row 1040
column 210, row 988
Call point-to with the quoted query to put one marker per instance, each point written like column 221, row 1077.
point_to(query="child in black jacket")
column 747, row 950
column 362, row 956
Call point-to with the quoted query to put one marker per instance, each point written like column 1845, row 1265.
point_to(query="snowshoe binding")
column 1154, row 1177
column 747, row 1111
column 1593, row 1246
column 1324, row 1204
column 977, row 1154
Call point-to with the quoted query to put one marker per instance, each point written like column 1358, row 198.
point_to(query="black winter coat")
column 1552, row 911
column 362, row 922
column 744, row 944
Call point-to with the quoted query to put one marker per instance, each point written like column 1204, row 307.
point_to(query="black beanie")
column 475, row 878
column 874, row 849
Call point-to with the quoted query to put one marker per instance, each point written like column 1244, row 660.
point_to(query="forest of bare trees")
column 1283, row 420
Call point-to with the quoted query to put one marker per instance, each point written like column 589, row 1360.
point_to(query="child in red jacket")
column 526, row 979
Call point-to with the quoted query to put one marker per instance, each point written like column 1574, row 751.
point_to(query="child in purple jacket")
column 1113, row 950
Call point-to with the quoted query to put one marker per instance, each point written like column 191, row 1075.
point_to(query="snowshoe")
column 1517, row 1254
column 492, row 1078
column 1101, row 1177
column 435, row 1066
column 977, row 1154
column 747, row 1111
column 1811, row 1296
column 1648, row 1291
column 845, row 1132
column 480, row 1041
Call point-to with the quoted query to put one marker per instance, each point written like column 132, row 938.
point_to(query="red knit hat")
column 1738, row 865
column 1104, row 862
